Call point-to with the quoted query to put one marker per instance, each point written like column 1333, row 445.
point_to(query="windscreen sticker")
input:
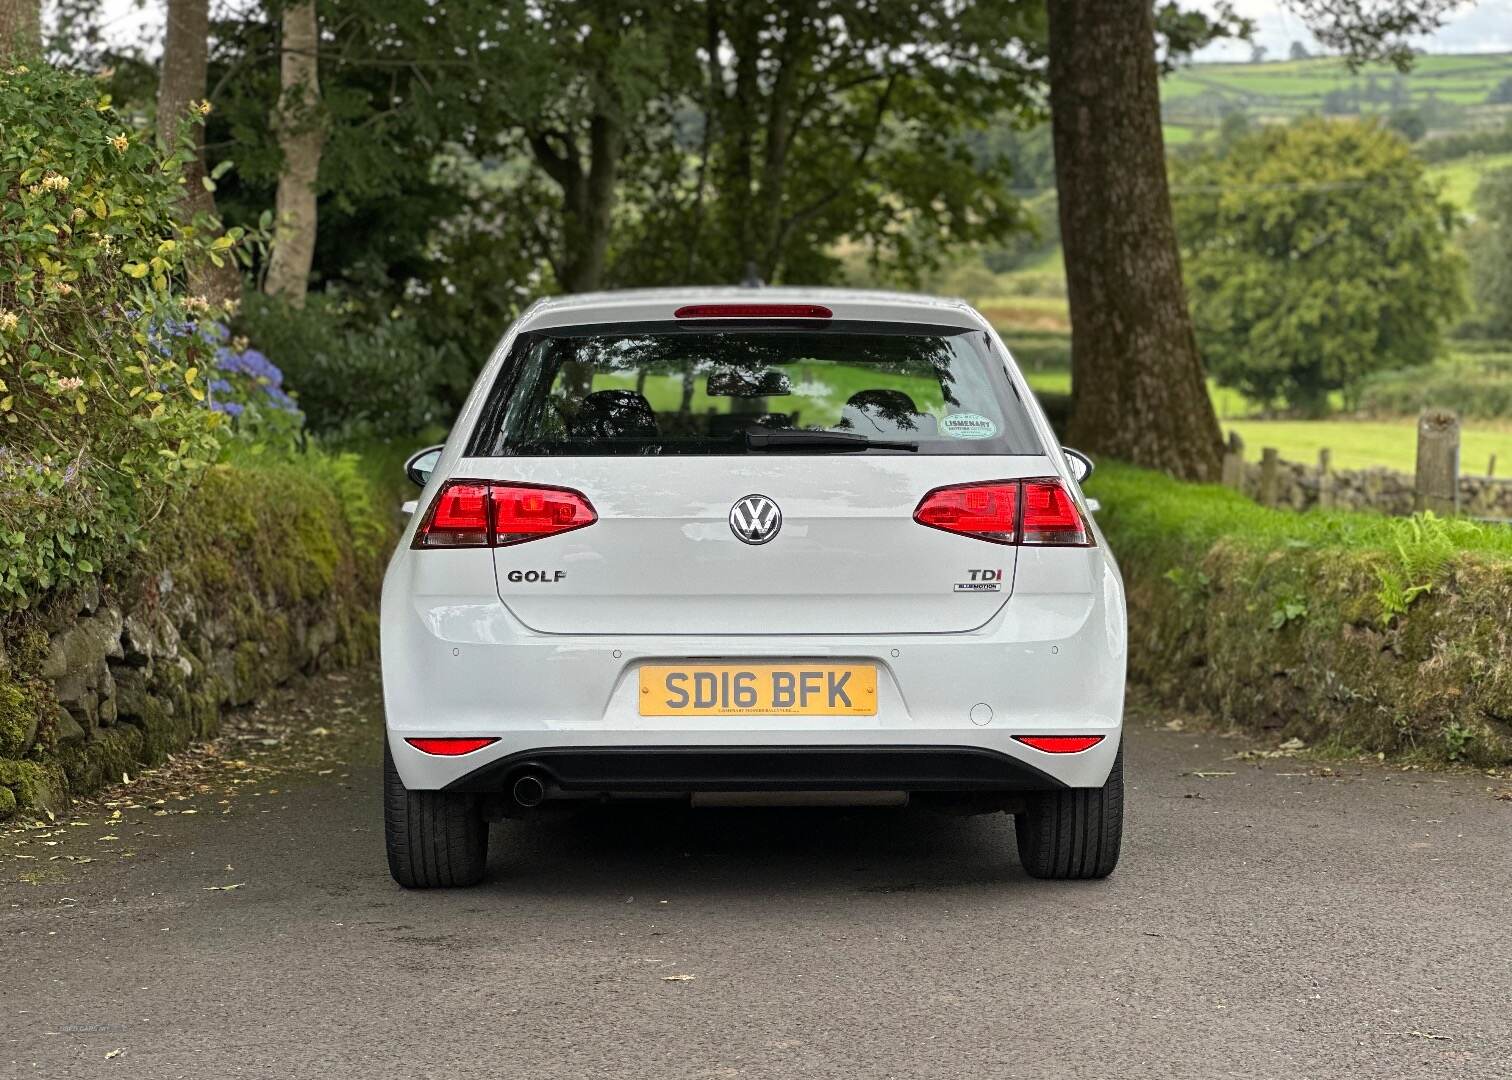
column 968, row 425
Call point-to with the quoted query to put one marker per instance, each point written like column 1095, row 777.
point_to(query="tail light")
column 1051, row 516
column 1040, row 512
column 449, row 747
column 472, row 513
column 1060, row 744
column 986, row 511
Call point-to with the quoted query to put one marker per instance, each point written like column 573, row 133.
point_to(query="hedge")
column 1351, row 630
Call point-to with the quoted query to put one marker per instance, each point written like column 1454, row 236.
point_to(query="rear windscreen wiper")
column 841, row 442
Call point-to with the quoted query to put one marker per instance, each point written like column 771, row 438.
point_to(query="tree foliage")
column 478, row 153
column 1315, row 254
column 1364, row 30
column 1489, row 246
column 683, row 141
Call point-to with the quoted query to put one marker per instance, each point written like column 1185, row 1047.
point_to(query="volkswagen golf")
column 752, row 546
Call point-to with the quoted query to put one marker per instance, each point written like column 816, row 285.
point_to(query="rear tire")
column 1074, row 833
column 435, row 839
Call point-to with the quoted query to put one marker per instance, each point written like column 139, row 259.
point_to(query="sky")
column 1482, row 27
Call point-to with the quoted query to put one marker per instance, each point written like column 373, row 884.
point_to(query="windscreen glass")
column 874, row 389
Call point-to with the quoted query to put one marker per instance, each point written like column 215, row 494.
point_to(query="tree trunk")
column 1138, row 388
column 588, row 199
column 181, row 86
column 20, row 27
column 589, row 224
column 301, row 138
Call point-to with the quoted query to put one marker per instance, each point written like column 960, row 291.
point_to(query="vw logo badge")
column 755, row 519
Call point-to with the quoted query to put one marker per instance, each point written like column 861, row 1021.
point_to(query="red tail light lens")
column 986, row 511
column 753, row 311
column 459, row 518
column 1060, row 744
column 1039, row 511
column 472, row 513
column 449, row 747
column 1051, row 516
column 527, row 513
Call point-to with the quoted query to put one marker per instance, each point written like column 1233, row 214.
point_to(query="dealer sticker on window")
column 968, row 425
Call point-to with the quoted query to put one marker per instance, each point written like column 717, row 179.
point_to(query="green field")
column 1461, row 176
column 1360, row 444
column 1355, row 444
column 1197, row 96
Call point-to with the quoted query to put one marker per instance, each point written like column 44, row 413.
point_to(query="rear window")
column 660, row 389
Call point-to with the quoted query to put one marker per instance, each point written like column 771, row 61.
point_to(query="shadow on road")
column 670, row 846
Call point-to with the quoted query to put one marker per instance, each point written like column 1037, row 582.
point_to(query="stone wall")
column 267, row 574
column 1384, row 490
column 1361, row 639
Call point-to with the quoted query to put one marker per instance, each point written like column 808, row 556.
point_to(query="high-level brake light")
column 1038, row 512
column 476, row 513
column 753, row 311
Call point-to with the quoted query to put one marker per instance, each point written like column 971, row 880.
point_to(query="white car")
column 752, row 545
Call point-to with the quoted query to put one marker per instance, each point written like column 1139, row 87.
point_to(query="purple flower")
column 211, row 332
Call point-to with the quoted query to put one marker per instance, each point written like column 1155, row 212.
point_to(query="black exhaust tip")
column 529, row 791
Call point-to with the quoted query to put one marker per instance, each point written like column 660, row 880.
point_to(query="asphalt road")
column 1284, row 921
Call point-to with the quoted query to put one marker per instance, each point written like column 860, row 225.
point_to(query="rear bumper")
column 761, row 768
column 459, row 663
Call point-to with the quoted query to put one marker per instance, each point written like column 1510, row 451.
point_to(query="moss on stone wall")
column 271, row 567
column 1367, row 633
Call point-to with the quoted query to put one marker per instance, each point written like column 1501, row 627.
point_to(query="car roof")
column 657, row 305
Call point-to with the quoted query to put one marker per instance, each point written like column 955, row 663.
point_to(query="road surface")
column 1273, row 918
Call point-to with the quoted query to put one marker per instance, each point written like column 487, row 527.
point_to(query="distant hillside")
column 1446, row 95
column 1450, row 93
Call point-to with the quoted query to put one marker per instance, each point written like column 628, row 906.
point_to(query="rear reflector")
column 1060, row 744
column 753, row 311
column 1039, row 511
column 449, row 747
column 474, row 513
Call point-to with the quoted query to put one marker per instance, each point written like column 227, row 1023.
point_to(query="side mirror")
column 421, row 464
column 1081, row 464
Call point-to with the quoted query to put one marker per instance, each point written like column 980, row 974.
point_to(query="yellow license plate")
column 755, row 689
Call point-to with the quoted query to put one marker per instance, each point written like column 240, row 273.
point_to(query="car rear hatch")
column 666, row 431
column 663, row 558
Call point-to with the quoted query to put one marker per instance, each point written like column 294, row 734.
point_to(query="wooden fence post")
column 1325, row 479
column 1270, row 476
column 1437, row 486
column 1233, row 462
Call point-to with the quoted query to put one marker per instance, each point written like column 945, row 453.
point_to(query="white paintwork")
column 660, row 577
